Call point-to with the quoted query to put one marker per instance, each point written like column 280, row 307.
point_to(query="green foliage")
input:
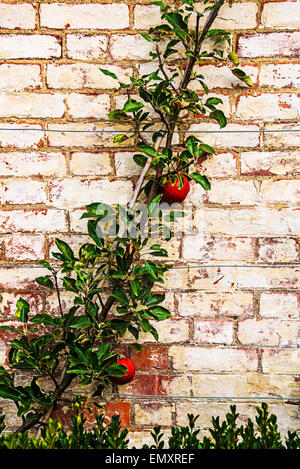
column 228, row 435
column 103, row 435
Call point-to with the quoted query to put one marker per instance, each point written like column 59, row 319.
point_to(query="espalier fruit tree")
column 113, row 278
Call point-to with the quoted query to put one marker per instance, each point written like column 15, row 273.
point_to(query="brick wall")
column 234, row 330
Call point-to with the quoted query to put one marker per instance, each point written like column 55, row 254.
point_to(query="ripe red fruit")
column 172, row 193
column 129, row 374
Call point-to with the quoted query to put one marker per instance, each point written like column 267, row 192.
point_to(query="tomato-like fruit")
column 171, row 192
column 129, row 374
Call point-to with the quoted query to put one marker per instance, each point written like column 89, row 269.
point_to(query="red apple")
column 172, row 193
column 129, row 374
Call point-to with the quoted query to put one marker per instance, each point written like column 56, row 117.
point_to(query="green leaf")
column 200, row 179
column 220, row 117
column 121, row 297
column 22, row 312
column 70, row 284
column 132, row 106
column 92, row 230
column 119, row 325
column 7, row 392
column 207, row 148
column 233, row 57
column 213, row 101
column 160, row 313
column 149, row 151
column 242, row 76
column 12, row 329
column 117, row 115
column 45, row 319
column 64, row 249
column 150, row 268
column 146, row 327
column 147, row 37
column 110, row 74
column 153, row 204
column 80, row 321
column 120, row 138
column 45, row 282
column 140, row 160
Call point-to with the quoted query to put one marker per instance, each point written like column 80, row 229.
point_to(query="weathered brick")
column 278, row 250
column 236, row 16
column 280, row 75
column 120, row 408
column 248, row 222
column 221, row 137
column 282, row 135
column 257, row 277
column 24, row 191
column 94, row 164
column 130, row 47
column 32, row 164
column 151, row 358
column 8, row 303
column 271, row 332
column 219, row 165
column 281, row 191
column 125, row 165
column 215, row 304
column 281, row 15
column 281, row 305
column 31, row 105
column 277, row 44
column 153, row 413
column 267, row 106
column 87, row 135
column 281, row 361
column 221, row 76
column 217, row 248
column 217, row 359
column 21, row 136
column 20, row 278
column 18, row 77
column 25, row 247
column 76, row 193
column 32, row 220
column 36, row 46
column 85, row 75
column 170, row 331
column 233, row 192
column 213, row 331
column 86, row 47
column 17, row 16
column 270, row 163
column 83, row 105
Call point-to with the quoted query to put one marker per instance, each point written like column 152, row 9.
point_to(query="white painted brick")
column 216, row 331
column 220, row 76
column 281, row 305
column 17, row 16
column 84, row 16
column 281, row 15
column 270, row 163
column 83, row 105
column 24, row 191
column 219, row 165
column 271, row 332
column 280, row 75
column 281, row 361
column 86, row 47
column 35, row 46
column 86, row 135
column 24, row 247
column 32, row 164
column 20, row 138
column 146, row 16
column 125, row 165
column 283, row 139
column 249, row 222
column 281, row 191
column 208, row 248
column 18, row 77
column 31, row 105
column 75, row 193
column 237, row 16
column 93, row 164
column 32, row 220
column 130, row 47
column 85, row 75
column 233, row 192
column 226, row 140
column 278, row 250
column 277, row 44
column 214, row 304
column 268, row 106
column 219, row 359
column 20, row 277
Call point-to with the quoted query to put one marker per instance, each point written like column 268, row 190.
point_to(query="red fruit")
column 129, row 374
column 171, row 192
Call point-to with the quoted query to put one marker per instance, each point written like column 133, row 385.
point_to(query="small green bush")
column 225, row 435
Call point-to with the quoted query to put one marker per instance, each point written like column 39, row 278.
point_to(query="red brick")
column 151, row 357
column 121, row 408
